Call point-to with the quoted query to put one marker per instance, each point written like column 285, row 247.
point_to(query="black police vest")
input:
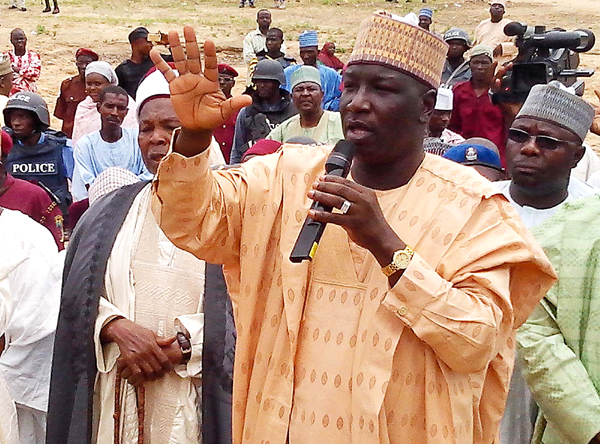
column 42, row 163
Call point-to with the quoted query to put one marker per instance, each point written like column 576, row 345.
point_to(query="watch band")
column 185, row 346
column 400, row 261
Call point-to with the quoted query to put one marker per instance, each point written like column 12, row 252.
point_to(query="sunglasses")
column 543, row 142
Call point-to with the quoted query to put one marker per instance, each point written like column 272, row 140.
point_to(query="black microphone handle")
column 311, row 232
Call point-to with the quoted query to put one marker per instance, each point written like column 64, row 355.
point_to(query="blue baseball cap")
column 472, row 154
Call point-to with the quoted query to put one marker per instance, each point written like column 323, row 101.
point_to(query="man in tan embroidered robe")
column 333, row 351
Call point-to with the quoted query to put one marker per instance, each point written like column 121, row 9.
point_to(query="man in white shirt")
column 30, row 277
column 111, row 146
column 256, row 41
column 491, row 32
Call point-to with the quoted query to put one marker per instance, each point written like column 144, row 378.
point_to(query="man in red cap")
column 72, row 91
column 28, row 198
column 224, row 134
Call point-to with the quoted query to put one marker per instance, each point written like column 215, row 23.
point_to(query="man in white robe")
column 148, row 334
column 30, row 273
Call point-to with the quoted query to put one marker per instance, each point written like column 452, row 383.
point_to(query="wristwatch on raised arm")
column 185, row 346
column 400, row 261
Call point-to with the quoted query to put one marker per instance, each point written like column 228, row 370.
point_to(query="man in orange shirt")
column 402, row 328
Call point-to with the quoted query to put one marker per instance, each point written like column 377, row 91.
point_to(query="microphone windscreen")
column 515, row 29
column 344, row 148
column 340, row 157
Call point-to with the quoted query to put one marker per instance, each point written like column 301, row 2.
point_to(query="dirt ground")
column 103, row 25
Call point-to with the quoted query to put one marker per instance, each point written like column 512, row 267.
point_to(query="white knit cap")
column 154, row 85
column 443, row 101
column 104, row 69
column 109, row 180
column 554, row 103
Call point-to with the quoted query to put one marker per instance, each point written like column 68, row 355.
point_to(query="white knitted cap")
column 554, row 103
column 444, row 99
column 109, row 180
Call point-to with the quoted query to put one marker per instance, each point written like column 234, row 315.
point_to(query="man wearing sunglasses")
column 544, row 145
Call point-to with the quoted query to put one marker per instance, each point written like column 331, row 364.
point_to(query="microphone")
column 338, row 164
column 515, row 29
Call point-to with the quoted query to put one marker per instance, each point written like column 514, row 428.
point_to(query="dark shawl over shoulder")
column 74, row 363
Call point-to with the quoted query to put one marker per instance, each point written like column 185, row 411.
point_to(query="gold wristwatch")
column 400, row 261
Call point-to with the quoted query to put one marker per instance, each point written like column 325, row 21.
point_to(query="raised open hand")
column 197, row 99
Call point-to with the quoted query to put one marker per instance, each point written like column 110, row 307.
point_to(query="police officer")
column 39, row 154
column 271, row 105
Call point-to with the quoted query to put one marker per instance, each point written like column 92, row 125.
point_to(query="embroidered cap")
column 482, row 50
column 399, row 43
column 308, row 39
column 305, row 74
column 554, row 103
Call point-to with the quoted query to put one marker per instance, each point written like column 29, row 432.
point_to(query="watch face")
column 402, row 259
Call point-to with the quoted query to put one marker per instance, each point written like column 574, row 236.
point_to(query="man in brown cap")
column 6, row 83
column 72, row 91
column 225, row 132
column 401, row 329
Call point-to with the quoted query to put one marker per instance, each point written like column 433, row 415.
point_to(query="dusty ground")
column 103, row 25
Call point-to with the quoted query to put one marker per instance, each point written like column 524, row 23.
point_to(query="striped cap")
column 308, row 39
column 426, row 12
column 385, row 39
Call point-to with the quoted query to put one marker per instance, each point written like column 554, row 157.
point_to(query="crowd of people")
column 147, row 292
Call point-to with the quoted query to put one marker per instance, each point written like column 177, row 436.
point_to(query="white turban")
column 104, row 69
column 153, row 86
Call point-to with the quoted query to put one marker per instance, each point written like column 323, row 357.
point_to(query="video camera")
column 544, row 56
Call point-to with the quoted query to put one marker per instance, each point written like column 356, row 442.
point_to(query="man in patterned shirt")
column 26, row 63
